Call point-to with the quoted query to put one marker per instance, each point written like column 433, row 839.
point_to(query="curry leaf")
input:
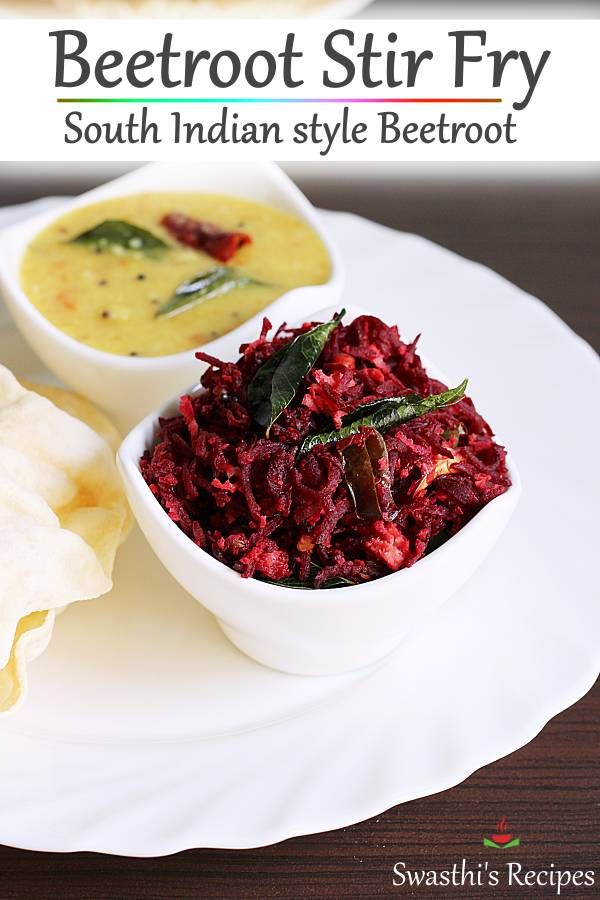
column 384, row 414
column 202, row 287
column 338, row 581
column 259, row 389
column 292, row 582
column 276, row 383
column 296, row 585
column 379, row 407
column 116, row 233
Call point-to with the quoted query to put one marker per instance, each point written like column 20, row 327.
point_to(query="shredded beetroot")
column 257, row 507
column 222, row 245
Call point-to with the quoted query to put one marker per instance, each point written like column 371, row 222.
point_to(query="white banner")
column 293, row 90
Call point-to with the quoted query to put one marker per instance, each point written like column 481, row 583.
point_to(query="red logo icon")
column 502, row 838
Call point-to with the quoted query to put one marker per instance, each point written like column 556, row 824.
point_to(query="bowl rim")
column 137, row 441
column 38, row 222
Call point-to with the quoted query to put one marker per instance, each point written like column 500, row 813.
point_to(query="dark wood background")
column 541, row 228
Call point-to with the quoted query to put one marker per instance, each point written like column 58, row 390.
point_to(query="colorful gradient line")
column 227, row 100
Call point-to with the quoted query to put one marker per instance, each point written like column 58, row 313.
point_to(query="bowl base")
column 292, row 662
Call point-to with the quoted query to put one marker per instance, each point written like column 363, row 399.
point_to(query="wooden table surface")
column 544, row 234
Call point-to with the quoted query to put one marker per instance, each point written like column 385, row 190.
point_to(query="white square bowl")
column 129, row 387
column 320, row 632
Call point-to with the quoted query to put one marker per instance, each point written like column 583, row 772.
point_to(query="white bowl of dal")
column 127, row 386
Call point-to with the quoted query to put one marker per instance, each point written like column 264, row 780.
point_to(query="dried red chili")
column 217, row 242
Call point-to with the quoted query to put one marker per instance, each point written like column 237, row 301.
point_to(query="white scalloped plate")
column 146, row 732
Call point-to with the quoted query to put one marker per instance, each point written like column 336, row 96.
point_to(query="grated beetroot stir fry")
column 260, row 507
